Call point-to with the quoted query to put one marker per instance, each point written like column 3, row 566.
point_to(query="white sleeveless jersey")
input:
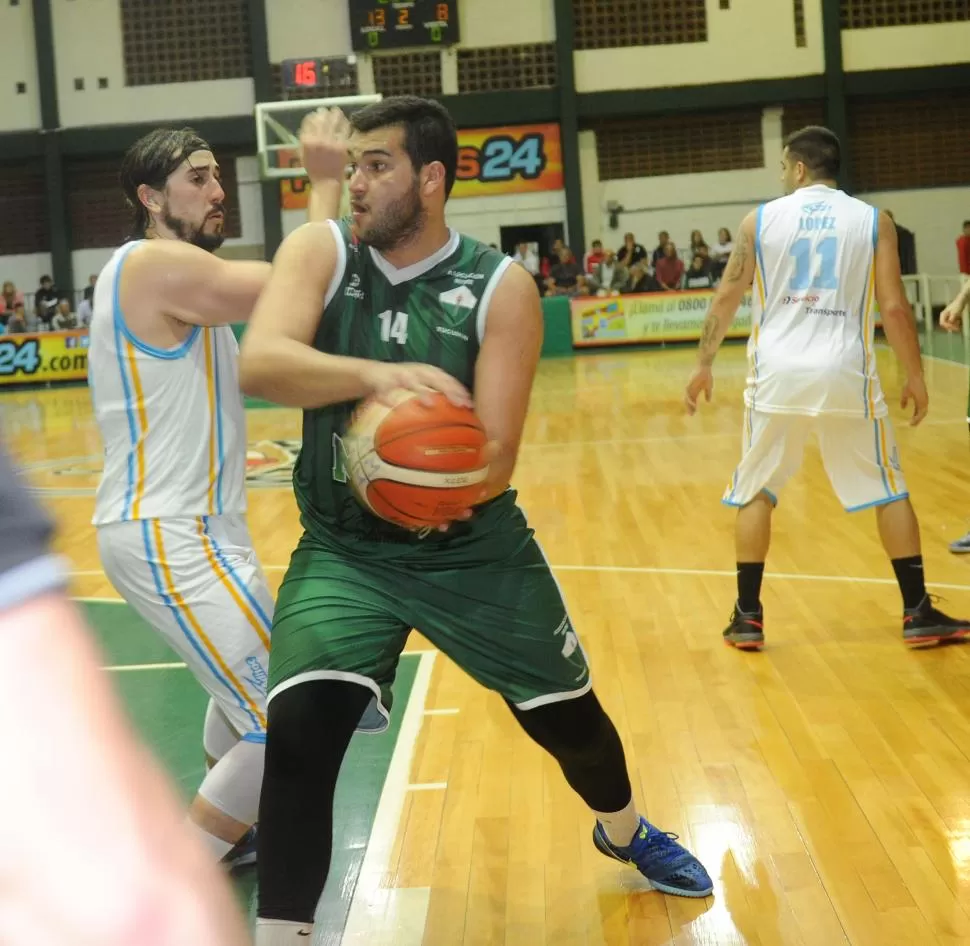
column 811, row 345
column 172, row 420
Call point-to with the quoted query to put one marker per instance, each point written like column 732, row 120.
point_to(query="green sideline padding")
column 558, row 338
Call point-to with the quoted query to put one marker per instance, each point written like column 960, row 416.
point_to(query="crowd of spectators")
column 44, row 310
column 630, row 268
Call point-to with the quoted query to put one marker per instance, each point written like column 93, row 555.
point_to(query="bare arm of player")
column 93, row 833
column 505, row 370
column 737, row 277
column 277, row 359
column 897, row 318
column 188, row 284
column 951, row 318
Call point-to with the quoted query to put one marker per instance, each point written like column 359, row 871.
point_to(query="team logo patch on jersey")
column 269, row 465
column 461, row 297
column 819, row 207
column 353, row 290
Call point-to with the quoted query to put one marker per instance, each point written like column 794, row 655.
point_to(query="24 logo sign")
column 515, row 159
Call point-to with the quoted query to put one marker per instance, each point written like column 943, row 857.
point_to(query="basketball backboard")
column 278, row 131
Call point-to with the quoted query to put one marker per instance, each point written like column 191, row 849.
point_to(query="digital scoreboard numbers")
column 399, row 24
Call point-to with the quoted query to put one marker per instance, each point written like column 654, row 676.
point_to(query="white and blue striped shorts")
column 197, row 582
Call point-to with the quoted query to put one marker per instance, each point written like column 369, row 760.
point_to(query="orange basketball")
column 413, row 464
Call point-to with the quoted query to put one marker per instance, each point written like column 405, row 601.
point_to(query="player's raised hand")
column 323, row 144
column 701, row 380
column 383, row 378
column 915, row 390
column 951, row 318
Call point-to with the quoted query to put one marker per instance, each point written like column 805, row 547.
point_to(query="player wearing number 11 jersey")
column 820, row 263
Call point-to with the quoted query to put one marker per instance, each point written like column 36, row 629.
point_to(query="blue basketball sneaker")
column 667, row 866
column 243, row 854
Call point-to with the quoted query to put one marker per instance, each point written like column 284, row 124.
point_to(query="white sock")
column 217, row 846
column 283, row 933
column 620, row 826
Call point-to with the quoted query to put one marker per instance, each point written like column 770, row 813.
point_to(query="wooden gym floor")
column 825, row 783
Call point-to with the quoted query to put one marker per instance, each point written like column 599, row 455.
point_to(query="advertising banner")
column 518, row 159
column 651, row 317
column 515, row 159
column 45, row 357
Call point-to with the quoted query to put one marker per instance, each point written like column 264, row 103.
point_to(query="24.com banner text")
column 44, row 357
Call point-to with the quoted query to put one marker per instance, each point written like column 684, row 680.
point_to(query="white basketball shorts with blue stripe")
column 860, row 457
column 197, row 582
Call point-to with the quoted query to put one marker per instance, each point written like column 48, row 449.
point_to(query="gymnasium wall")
column 300, row 28
column 88, row 40
column 905, row 47
column 680, row 203
column 25, row 269
column 747, row 41
column 500, row 22
column 18, row 66
column 936, row 216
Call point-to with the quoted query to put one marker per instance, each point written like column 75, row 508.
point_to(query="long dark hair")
column 150, row 160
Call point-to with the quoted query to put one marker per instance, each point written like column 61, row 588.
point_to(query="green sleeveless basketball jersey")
column 432, row 312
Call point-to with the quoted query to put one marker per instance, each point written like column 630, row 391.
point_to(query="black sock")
column 749, row 586
column 909, row 574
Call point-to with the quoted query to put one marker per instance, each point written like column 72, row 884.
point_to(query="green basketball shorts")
column 340, row 616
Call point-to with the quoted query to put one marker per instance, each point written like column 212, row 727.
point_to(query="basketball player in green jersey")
column 951, row 319
column 391, row 297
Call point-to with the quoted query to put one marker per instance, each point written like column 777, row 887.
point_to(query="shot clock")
column 400, row 24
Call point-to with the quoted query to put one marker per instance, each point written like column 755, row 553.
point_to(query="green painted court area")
column 168, row 708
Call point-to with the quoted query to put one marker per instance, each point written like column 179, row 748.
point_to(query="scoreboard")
column 400, row 24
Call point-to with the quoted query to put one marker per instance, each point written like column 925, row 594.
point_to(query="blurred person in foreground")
column 93, row 848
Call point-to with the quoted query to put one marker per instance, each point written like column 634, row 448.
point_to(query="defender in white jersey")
column 170, row 507
column 820, row 262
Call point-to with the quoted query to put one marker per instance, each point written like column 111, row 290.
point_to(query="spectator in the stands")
column 721, row 251
column 963, row 249
column 631, row 252
column 640, row 280
column 696, row 242
column 527, row 257
column 609, row 277
column 85, row 307
column 64, row 319
column 9, row 298
column 547, row 262
column 45, row 303
column 17, row 323
column 562, row 277
column 663, row 238
column 582, row 286
column 594, row 257
column 670, row 268
column 699, row 275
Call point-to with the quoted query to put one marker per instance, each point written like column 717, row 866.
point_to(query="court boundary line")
column 633, row 570
column 371, row 898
